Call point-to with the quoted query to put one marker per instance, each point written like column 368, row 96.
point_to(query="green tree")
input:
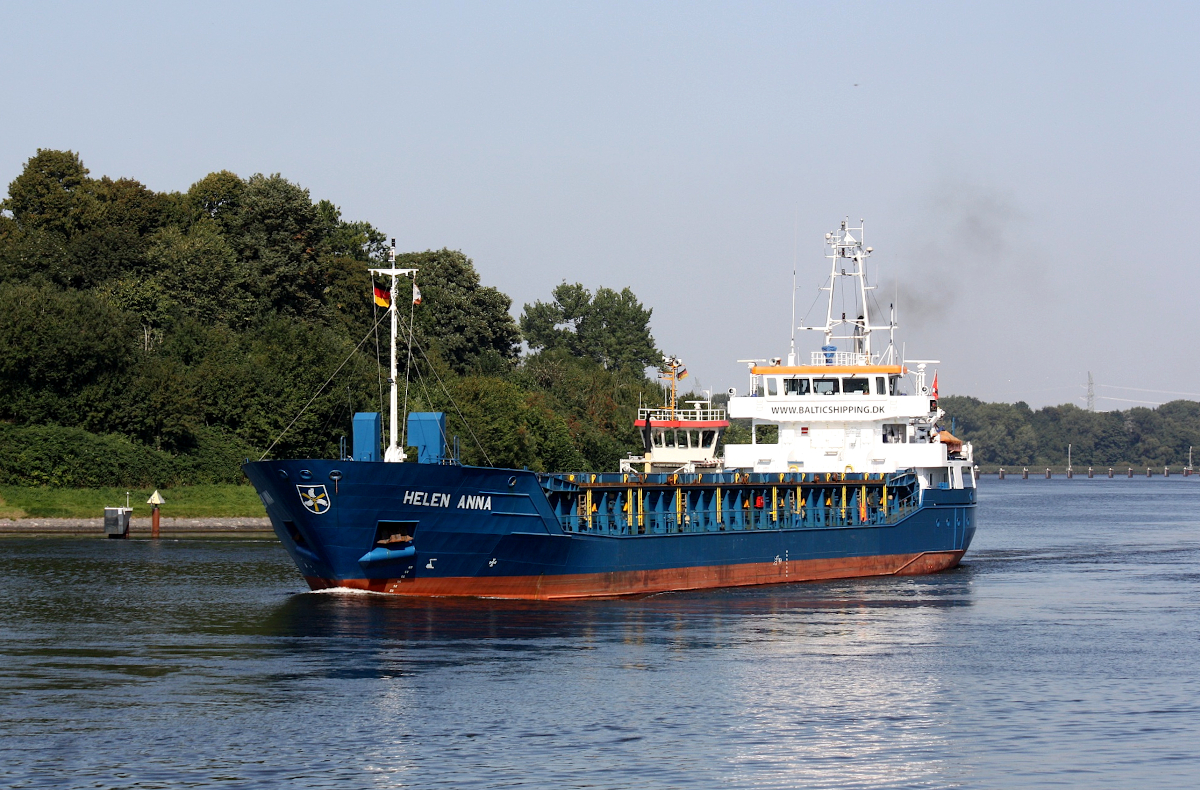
column 497, row 422
column 200, row 271
column 62, row 356
column 465, row 323
column 275, row 232
column 600, row 405
column 77, row 231
column 50, row 194
column 254, row 383
column 610, row 327
column 346, row 251
column 32, row 256
column 118, row 222
column 1000, row 432
column 218, row 196
column 49, row 202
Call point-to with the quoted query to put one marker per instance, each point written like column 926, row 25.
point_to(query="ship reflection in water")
column 778, row 686
column 1061, row 653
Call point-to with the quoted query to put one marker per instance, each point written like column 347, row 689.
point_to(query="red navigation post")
column 155, row 500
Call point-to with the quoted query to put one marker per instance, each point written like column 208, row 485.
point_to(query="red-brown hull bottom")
column 616, row 583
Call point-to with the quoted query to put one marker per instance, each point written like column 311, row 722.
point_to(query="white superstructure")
column 850, row 409
column 678, row 440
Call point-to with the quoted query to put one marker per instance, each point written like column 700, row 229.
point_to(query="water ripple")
column 1062, row 653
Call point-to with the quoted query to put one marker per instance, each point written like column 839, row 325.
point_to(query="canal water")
column 1064, row 652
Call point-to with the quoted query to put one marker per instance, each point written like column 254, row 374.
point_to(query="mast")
column 847, row 258
column 395, row 453
column 795, row 258
column 672, row 375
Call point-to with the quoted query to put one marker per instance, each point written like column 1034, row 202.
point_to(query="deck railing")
column 840, row 358
column 710, row 520
column 699, row 415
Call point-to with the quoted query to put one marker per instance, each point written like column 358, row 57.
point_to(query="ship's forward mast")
column 395, row 451
column 848, row 323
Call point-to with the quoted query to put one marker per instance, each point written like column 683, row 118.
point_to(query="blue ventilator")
column 427, row 432
column 368, row 436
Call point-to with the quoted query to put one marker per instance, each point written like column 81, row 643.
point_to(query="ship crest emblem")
column 314, row 498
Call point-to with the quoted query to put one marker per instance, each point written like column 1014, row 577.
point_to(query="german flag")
column 681, row 374
column 383, row 297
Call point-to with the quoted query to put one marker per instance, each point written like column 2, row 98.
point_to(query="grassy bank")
column 202, row 501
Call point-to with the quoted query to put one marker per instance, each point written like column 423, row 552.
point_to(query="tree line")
column 175, row 333
column 1012, row 434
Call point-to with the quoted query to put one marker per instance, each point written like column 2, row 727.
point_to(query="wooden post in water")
column 1002, row 473
column 1024, row 472
column 1047, row 473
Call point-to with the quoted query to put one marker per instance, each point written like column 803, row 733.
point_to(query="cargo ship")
column 847, row 474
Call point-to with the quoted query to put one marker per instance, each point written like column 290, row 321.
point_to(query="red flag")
column 416, row 294
column 935, row 384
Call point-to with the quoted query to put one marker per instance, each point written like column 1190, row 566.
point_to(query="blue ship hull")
column 433, row 529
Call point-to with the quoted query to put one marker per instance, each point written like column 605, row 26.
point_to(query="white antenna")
column 795, row 256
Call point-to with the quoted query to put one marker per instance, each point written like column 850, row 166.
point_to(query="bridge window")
column 795, row 387
column 658, row 438
column 853, row 385
column 669, row 436
column 772, row 385
column 707, row 438
column 880, row 385
column 825, row 386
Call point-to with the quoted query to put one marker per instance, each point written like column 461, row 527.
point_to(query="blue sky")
column 1029, row 173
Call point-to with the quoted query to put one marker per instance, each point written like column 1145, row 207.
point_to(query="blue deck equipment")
column 427, row 432
column 368, row 436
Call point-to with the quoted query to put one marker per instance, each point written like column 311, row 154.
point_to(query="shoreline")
column 139, row 526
